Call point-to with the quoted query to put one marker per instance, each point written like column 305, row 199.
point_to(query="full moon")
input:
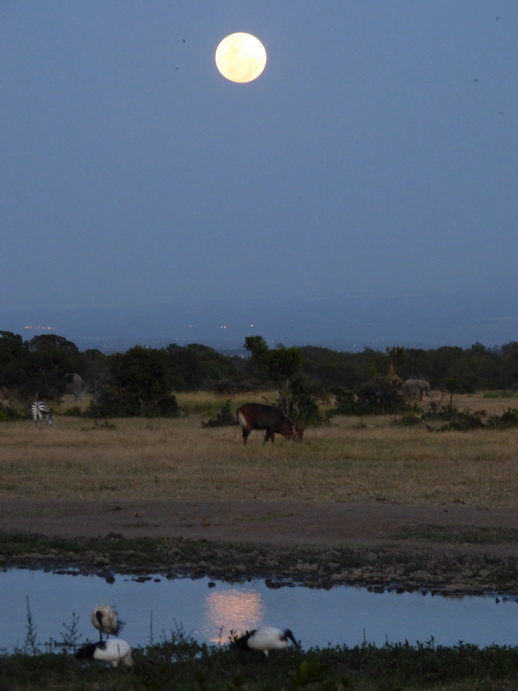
column 240, row 57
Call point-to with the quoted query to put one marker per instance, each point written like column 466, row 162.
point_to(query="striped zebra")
column 39, row 410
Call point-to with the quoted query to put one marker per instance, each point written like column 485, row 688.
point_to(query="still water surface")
column 154, row 608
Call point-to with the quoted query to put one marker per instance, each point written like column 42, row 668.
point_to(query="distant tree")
column 197, row 366
column 184, row 367
column 277, row 365
column 297, row 398
column 47, row 359
column 93, row 368
column 258, row 348
column 377, row 396
column 52, row 342
column 138, row 385
column 12, row 351
column 36, row 369
column 330, row 369
column 509, row 367
column 282, row 364
column 444, row 363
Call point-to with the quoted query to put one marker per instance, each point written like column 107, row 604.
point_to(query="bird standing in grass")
column 112, row 652
column 105, row 620
column 265, row 639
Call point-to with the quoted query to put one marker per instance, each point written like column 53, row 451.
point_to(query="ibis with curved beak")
column 265, row 639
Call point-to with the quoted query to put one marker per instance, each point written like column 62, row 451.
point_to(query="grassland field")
column 362, row 484
column 349, row 461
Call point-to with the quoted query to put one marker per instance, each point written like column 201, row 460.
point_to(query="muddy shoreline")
column 387, row 546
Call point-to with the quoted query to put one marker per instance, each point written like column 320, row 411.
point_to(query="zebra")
column 39, row 409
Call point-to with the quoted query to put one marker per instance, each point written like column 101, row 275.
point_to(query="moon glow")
column 241, row 57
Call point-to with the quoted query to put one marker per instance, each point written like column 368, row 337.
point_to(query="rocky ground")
column 454, row 548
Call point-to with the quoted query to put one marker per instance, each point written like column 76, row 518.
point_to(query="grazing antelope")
column 39, row 410
column 259, row 416
column 105, row 620
column 112, row 652
column 265, row 639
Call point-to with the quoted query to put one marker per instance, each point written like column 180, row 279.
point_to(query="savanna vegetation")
column 179, row 663
column 158, row 424
column 144, row 381
column 350, row 459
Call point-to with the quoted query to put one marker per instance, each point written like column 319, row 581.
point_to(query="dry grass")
column 178, row 459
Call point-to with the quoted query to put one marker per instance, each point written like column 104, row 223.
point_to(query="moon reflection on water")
column 232, row 610
column 209, row 612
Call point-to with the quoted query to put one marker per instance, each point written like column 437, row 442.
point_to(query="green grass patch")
column 500, row 394
column 181, row 663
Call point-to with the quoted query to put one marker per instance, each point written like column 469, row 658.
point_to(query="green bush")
column 138, row 384
column 509, row 418
column 408, row 421
column 377, row 396
column 8, row 414
column 225, row 417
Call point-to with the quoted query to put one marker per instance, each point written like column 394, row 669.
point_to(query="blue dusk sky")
column 377, row 152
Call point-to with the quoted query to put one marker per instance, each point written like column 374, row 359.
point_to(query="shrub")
column 377, row 396
column 408, row 421
column 8, row 414
column 509, row 418
column 138, row 385
column 225, row 417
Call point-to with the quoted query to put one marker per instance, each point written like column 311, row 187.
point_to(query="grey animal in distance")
column 413, row 389
column 75, row 385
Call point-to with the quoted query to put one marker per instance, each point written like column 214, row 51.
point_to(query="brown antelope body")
column 259, row 416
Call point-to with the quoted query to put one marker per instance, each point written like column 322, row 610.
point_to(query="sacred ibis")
column 265, row 639
column 105, row 620
column 112, row 652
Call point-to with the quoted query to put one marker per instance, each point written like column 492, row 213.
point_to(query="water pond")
column 207, row 610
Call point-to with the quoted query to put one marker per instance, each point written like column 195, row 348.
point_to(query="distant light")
column 224, row 326
column 40, row 328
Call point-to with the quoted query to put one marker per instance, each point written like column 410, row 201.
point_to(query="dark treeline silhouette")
column 37, row 369
column 476, row 368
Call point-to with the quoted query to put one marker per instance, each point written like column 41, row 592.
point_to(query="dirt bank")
column 319, row 544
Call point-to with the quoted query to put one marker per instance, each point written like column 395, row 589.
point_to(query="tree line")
column 143, row 381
